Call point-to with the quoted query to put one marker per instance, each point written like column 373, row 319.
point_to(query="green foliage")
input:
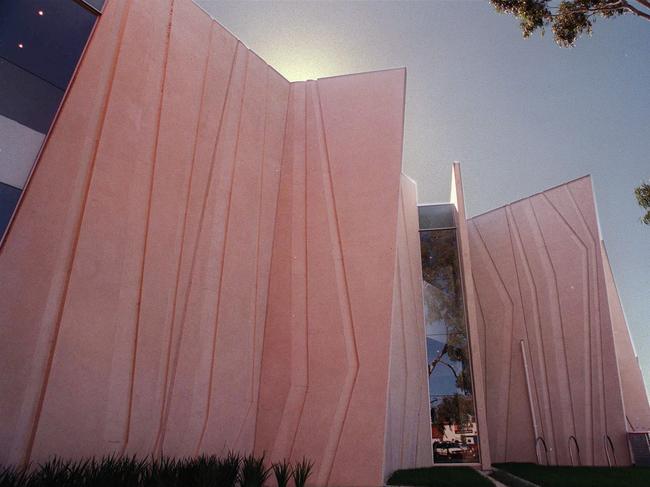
column 642, row 194
column 456, row 409
column 253, row 472
column 568, row 19
column 440, row 477
column 301, row 472
column 202, row 471
column 282, row 471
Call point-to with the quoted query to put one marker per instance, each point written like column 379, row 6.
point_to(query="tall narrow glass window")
column 40, row 45
column 454, row 428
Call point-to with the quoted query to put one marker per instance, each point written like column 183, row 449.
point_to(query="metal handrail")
column 575, row 442
column 537, row 440
column 607, row 440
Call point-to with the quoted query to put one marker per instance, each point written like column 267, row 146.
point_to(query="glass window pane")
column 8, row 200
column 27, row 99
column 453, row 423
column 96, row 4
column 40, row 45
column 443, row 299
column 436, row 216
column 44, row 37
column 454, row 430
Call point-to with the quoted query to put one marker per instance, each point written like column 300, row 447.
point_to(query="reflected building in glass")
column 41, row 42
column 201, row 256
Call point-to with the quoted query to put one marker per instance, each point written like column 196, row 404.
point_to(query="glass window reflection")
column 453, row 423
column 41, row 42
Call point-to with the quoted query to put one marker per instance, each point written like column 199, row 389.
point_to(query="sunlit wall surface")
column 453, row 419
column 40, row 44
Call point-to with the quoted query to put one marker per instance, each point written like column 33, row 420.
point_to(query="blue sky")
column 520, row 115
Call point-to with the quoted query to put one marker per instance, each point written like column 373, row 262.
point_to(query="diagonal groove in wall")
column 510, row 336
column 167, row 386
column 587, row 272
column 148, row 218
column 273, row 250
column 304, row 387
column 343, row 292
column 559, row 303
column 253, row 368
column 546, row 395
column 593, row 300
column 222, row 259
column 77, row 233
column 509, row 219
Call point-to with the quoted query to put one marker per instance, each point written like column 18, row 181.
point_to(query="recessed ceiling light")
column 20, row 45
column 41, row 13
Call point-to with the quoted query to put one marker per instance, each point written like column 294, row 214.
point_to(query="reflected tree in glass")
column 444, row 303
column 452, row 404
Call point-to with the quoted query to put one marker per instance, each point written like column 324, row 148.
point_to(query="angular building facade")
column 206, row 257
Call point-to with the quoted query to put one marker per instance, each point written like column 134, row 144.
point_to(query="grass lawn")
column 577, row 476
column 440, row 477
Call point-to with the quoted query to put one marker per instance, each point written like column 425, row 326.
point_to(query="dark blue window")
column 41, row 42
column 8, row 199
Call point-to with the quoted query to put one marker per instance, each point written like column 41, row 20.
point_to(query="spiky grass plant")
column 14, row 476
column 227, row 470
column 203, row 471
column 253, row 471
column 282, row 471
column 301, row 472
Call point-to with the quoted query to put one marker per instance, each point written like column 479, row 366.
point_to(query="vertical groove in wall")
column 304, row 387
column 222, row 260
column 75, row 242
column 541, row 359
column 589, row 412
column 509, row 337
column 166, row 394
column 273, row 245
column 561, row 318
column 343, row 291
column 146, row 229
column 534, row 407
column 559, row 270
column 588, row 286
column 257, row 263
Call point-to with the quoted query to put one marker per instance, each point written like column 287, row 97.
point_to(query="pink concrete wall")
column 408, row 421
column 325, row 364
column 457, row 197
column 543, row 306
column 635, row 398
column 145, row 231
column 204, row 258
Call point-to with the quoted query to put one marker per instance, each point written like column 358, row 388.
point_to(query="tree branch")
column 635, row 10
column 645, row 3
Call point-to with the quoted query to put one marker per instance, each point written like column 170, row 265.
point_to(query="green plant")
column 14, row 476
column 301, row 472
column 227, row 470
column 253, row 471
column 282, row 471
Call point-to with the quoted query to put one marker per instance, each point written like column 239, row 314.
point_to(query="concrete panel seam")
column 71, row 258
column 343, row 292
column 222, row 259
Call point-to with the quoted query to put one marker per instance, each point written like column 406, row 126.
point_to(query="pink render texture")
column 208, row 257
